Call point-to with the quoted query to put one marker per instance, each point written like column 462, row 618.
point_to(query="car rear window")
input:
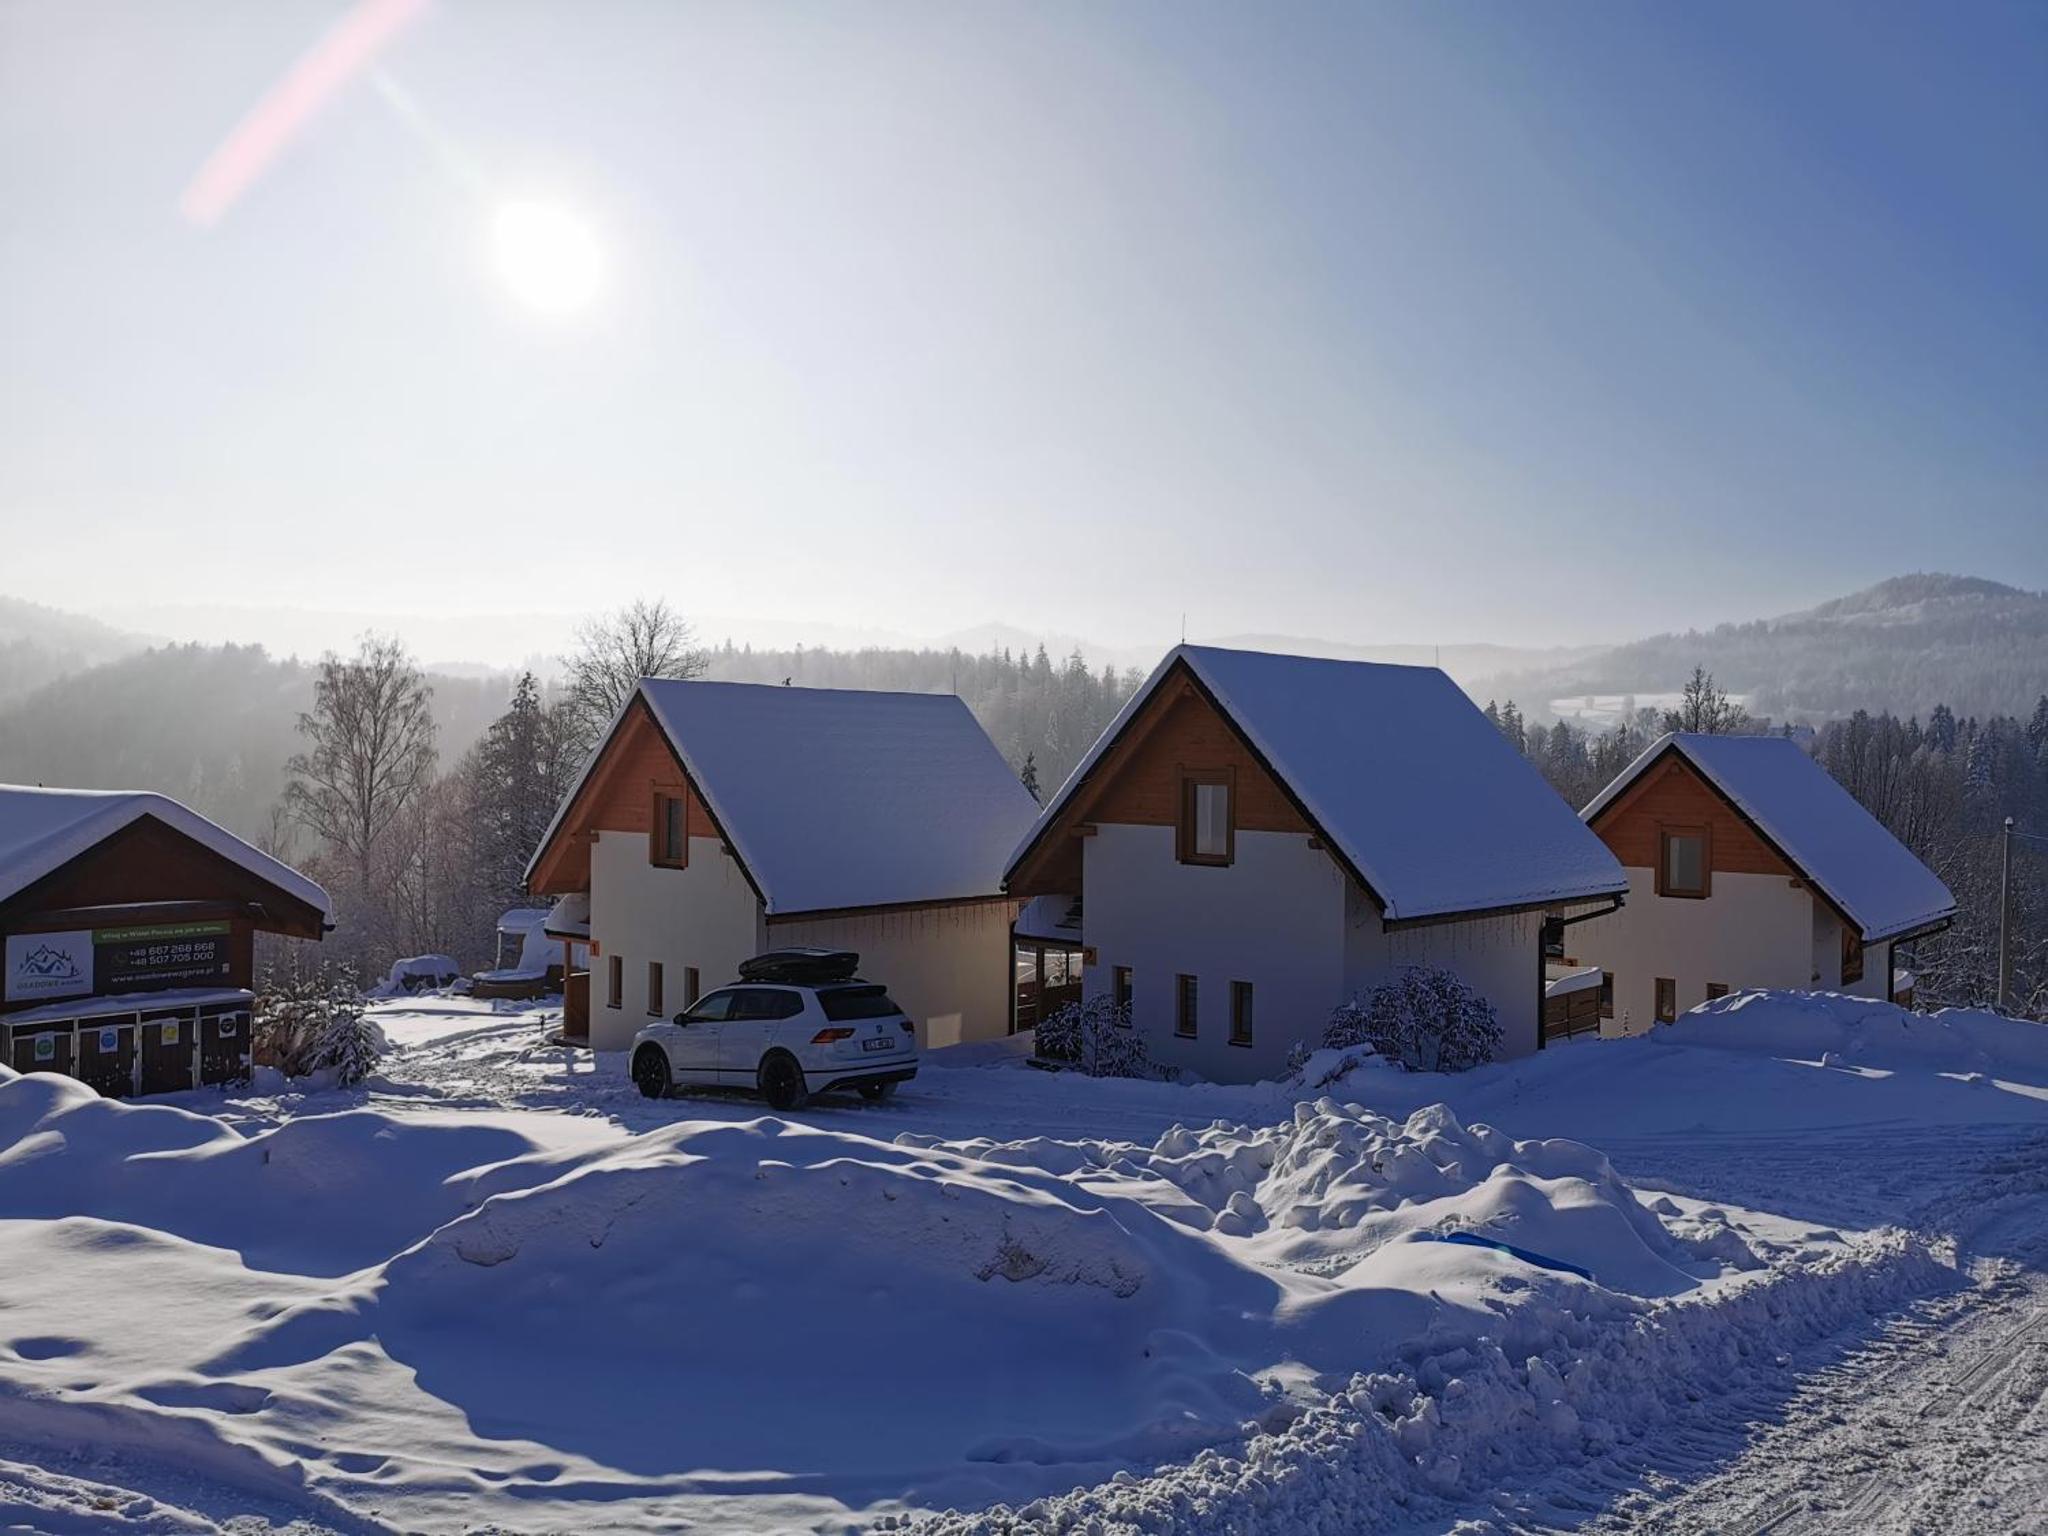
column 843, row 1003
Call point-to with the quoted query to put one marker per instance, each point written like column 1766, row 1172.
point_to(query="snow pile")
column 1840, row 1030
column 1478, row 1403
column 378, row 1182
column 717, row 1267
column 1337, row 1182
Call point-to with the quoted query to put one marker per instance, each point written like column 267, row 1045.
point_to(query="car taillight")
column 908, row 1027
column 827, row 1036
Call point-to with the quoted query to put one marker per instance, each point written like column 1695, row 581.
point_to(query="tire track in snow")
column 1934, row 1427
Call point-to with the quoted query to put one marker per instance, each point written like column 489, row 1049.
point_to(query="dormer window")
column 669, row 845
column 1208, row 817
column 1682, row 862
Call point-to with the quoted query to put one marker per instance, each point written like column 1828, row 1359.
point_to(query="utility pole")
column 2005, row 919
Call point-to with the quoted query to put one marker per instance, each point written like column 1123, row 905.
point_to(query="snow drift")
column 1840, row 1030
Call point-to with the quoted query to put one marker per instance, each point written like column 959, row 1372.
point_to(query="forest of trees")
column 1943, row 789
column 421, row 854
column 419, row 798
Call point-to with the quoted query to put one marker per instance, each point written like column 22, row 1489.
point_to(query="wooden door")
column 224, row 1046
column 168, row 1050
column 576, row 1005
column 45, row 1050
column 106, row 1056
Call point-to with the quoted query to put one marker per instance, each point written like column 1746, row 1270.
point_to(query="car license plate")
column 879, row 1043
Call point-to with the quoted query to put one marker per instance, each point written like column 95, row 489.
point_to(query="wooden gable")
column 617, row 795
column 1671, row 792
column 149, row 861
column 1137, row 782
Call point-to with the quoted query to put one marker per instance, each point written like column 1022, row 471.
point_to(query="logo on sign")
column 46, row 1047
column 110, row 1041
column 49, row 965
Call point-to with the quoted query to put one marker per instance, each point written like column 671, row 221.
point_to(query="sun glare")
column 547, row 256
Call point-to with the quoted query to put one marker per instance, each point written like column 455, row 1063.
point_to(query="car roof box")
column 801, row 967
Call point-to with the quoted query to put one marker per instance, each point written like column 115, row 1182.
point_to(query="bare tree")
column 370, row 753
column 642, row 639
column 1704, row 707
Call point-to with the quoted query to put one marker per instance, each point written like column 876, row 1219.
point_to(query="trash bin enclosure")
column 159, row 1042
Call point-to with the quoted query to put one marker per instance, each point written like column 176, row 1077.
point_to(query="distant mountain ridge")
column 213, row 725
column 40, row 644
column 1905, row 644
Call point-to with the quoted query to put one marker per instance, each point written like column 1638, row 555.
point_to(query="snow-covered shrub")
column 1425, row 1018
column 310, row 1017
column 1094, row 1037
column 350, row 1042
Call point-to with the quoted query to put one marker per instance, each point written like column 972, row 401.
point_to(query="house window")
column 1208, row 822
column 1852, row 955
column 689, row 985
column 654, row 987
column 670, row 846
column 1184, row 1007
column 1607, row 994
column 1716, row 989
column 1667, row 1000
column 1682, row 861
column 614, row 982
column 1240, row 1013
column 1120, row 989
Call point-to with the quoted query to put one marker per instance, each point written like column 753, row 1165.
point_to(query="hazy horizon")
column 1381, row 325
column 509, row 639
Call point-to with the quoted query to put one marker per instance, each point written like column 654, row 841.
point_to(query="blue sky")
column 1524, row 323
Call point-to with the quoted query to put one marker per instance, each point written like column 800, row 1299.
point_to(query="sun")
column 547, row 256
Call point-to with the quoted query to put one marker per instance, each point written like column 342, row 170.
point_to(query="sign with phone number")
column 144, row 958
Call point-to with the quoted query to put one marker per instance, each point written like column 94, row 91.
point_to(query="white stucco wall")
column 1753, row 931
column 947, row 967
column 704, row 915
column 1495, row 956
column 1274, row 918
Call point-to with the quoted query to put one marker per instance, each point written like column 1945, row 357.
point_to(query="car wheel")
column 782, row 1081
column 650, row 1072
column 874, row 1093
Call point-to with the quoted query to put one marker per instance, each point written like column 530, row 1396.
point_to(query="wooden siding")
column 1671, row 793
column 618, row 796
column 149, row 861
column 1137, row 782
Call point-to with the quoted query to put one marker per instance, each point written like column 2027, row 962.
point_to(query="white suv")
column 788, row 1040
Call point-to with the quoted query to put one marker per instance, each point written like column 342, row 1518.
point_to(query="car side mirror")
column 682, row 1018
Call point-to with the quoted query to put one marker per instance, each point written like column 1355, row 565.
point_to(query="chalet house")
column 129, row 923
column 717, row 820
column 1258, row 837
column 1748, row 866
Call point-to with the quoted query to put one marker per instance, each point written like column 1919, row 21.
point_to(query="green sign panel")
column 157, row 933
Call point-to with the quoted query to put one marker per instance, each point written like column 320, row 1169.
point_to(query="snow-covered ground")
column 1774, row 1267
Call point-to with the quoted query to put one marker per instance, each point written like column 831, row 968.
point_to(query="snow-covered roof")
column 569, row 918
column 1585, row 979
column 1054, row 918
column 1818, row 826
column 43, row 829
column 519, row 919
column 840, row 797
column 102, row 1006
column 1397, row 768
